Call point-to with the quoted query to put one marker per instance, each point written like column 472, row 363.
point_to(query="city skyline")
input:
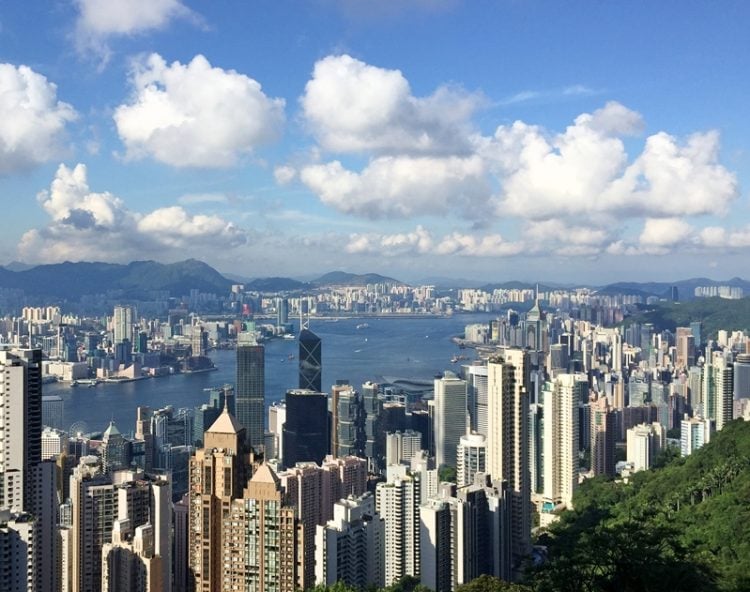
column 414, row 136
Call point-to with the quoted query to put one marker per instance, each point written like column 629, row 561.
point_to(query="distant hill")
column 72, row 280
column 275, row 284
column 714, row 313
column 342, row 278
column 685, row 288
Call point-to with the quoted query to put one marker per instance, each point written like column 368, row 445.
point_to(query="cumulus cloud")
column 86, row 225
column 284, row 174
column 195, row 114
column 585, row 170
column 101, row 19
column 401, row 186
column 32, row 119
column 352, row 106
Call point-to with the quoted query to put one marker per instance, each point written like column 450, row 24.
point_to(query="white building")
column 54, row 442
column 450, row 417
column 471, row 458
column 350, row 548
column 400, row 447
column 397, row 502
column 694, row 433
column 643, row 444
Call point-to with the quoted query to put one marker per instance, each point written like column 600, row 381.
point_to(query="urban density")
column 442, row 480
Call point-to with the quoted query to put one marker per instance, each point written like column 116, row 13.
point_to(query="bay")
column 401, row 347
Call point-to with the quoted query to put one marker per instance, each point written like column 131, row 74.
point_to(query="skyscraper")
column 305, row 432
column 450, row 417
column 471, row 458
column 122, row 323
column 507, row 442
column 250, row 391
column 602, row 438
column 723, row 389
column 310, row 361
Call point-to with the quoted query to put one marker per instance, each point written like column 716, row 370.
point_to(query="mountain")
column 685, row 288
column 275, row 284
column 17, row 266
column 72, row 280
column 342, row 278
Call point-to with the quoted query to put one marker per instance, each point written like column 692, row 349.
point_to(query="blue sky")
column 573, row 142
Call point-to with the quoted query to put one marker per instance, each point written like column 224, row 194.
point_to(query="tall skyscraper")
column 305, row 432
column 507, row 442
column 310, row 361
column 218, row 473
column 250, row 404
column 602, row 438
column 560, row 437
column 471, row 458
column 122, row 323
column 450, row 417
column 723, row 388
column 397, row 502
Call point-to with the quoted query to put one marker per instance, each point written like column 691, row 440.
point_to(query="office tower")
column 250, row 403
column 115, row 450
column 310, row 361
column 643, row 444
column 276, row 421
column 218, row 472
column 199, row 341
column 476, row 394
column 122, row 324
column 93, row 500
column 306, row 427
column 19, row 549
column 694, row 433
column 742, row 376
column 181, row 534
column 535, row 327
column 263, row 538
column 203, row 418
column 350, row 424
column 723, row 387
column 507, row 441
column 560, row 438
column 282, row 312
column 400, row 447
column 695, row 330
column 54, row 442
column 53, row 411
column 602, row 438
column 397, row 502
column 685, row 348
column 450, row 417
column 536, row 445
column 129, row 561
column 471, row 458
column 350, row 548
column 373, row 405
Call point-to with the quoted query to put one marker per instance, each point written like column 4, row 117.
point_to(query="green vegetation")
column 685, row 526
column 447, row 473
column 714, row 313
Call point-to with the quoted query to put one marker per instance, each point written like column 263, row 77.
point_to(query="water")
column 408, row 348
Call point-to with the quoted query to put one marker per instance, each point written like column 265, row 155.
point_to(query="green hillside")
column 714, row 313
column 682, row 527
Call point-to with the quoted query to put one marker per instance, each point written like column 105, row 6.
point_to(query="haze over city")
column 504, row 140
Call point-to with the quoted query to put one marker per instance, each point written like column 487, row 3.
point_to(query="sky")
column 575, row 142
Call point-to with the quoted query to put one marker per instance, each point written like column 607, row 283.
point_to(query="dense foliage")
column 685, row 526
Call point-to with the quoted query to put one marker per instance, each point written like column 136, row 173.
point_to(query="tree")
column 487, row 583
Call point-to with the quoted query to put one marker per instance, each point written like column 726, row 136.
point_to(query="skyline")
column 428, row 138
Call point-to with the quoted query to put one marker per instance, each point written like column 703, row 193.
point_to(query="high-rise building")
column 694, row 433
column 310, row 361
column 115, row 450
column 250, row 403
column 130, row 561
column 476, row 390
column 218, row 473
column 602, row 438
column 54, row 442
column 350, row 548
column 471, row 458
column 305, row 432
column 723, row 387
column 643, row 444
column 122, row 324
column 507, row 442
column 560, row 438
column 181, row 538
column 93, row 499
column 19, row 549
column 373, row 406
column 450, row 417
column 397, row 502
column 742, row 376
column 401, row 447
column 348, row 421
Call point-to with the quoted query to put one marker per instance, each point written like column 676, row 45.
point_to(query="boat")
column 289, row 337
column 363, row 326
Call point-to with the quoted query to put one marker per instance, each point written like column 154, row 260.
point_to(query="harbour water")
column 394, row 347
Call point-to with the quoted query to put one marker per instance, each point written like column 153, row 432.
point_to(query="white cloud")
column 195, row 115
column 664, row 232
column 284, row 174
column 585, row 170
column 99, row 227
column 402, row 186
column 32, row 119
column 352, row 106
